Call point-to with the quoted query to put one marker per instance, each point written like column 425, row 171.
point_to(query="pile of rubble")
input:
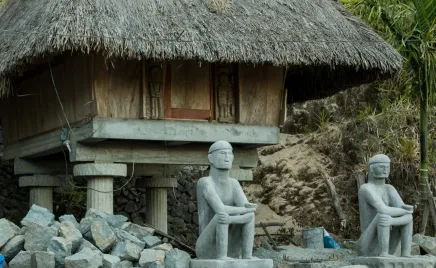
column 99, row 240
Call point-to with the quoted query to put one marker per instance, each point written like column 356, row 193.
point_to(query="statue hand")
column 250, row 205
column 223, row 218
column 385, row 220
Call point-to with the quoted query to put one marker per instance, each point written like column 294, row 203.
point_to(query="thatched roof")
column 280, row 32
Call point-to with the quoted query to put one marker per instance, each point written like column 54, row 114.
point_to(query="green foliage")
column 71, row 200
column 323, row 119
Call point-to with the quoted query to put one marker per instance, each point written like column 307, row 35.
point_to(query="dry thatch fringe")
column 283, row 33
column 218, row 6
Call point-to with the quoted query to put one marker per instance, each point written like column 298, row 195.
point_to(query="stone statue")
column 384, row 218
column 226, row 218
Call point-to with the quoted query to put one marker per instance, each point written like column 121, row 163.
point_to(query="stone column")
column 100, row 177
column 156, row 203
column 41, row 189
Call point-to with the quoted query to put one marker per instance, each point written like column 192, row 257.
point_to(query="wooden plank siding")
column 260, row 94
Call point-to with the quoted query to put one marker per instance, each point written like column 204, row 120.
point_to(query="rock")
column 37, row 237
column 55, row 226
column 192, row 207
column 84, row 259
column 41, row 259
column 425, row 242
column 86, row 244
column 13, row 247
column 39, row 215
column 177, row 258
column 102, row 235
column 68, row 231
column 61, row 248
column 138, row 231
column 125, row 264
column 110, row 261
column 14, row 227
column 131, row 207
column 165, row 247
column 85, row 225
column 156, row 264
column 127, row 251
column 148, row 256
column 23, row 230
column 151, row 241
column 124, row 236
column 71, row 219
column 115, row 221
column 6, row 232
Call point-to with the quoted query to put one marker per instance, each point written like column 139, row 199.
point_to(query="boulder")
column 177, row 258
column 148, row 256
column 165, row 247
column 62, row 248
column 115, row 221
column 156, row 264
column 55, row 226
column 37, row 237
column 127, row 251
column 71, row 219
column 6, row 232
column 84, row 259
column 426, row 242
column 137, row 230
column 152, row 241
column 102, row 235
column 86, row 244
column 13, row 247
column 110, row 261
column 33, row 259
column 39, row 215
column 14, row 227
column 125, row 236
column 68, row 231
column 125, row 264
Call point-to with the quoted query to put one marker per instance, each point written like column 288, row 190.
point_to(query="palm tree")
column 410, row 25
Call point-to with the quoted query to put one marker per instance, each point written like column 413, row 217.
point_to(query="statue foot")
column 386, row 255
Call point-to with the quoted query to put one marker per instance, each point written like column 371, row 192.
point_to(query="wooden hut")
column 144, row 85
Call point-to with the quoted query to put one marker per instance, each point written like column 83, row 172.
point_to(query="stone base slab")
column 40, row 181
column 379, row 262
column 100, row 170
column 235, row 263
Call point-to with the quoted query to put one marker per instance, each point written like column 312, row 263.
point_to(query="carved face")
column 380, row 170
column 221, row 159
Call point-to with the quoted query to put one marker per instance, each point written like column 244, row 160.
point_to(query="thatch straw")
column 280, row 32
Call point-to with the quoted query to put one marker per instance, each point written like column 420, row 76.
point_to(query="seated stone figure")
column 384, row 218
column 226, row 218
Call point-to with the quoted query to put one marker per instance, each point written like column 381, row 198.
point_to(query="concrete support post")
column 100, row 183
column 156, row 203
column 41, row 189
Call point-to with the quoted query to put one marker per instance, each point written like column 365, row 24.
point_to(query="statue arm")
column 381, row 208
column 218, row 206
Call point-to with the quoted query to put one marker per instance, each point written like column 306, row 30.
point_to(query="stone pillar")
column 156, row 203
column 41, row 189
column 100, row 177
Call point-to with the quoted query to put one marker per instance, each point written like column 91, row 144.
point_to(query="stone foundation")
column 379, row 262
column 236, row 263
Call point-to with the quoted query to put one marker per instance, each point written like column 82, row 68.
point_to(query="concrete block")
column 40, row 181
column 235, row 263
column 100, row 170
column 379, row 262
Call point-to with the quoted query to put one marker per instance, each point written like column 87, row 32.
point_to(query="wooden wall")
column 89, row 85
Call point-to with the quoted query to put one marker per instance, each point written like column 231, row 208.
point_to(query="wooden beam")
column 154, row 153
column 183, row 131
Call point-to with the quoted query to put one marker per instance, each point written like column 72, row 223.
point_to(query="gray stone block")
column 41, row 259
column 126, row 264
column 39, row 215
column 152, row 241
column 127, row 251
column 61, row 248
column 14, row 227
column 165, row 247
column 177, row 258
column 156, row 264
column 148, row 256
column 13, row 247
column 380, row 262
column 138, row 231
column 235, row 263
column 302, row 265
column 125, row 236
column 110, row 261
column 37, row 237
column 71, row 219
column 84, row 259
column 86, row 244
column 426, row 242
column 68, row 231
column 6, row 232
column 102, row 235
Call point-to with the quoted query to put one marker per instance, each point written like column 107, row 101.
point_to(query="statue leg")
column 383, row 236
column 248, row 238
column 406, row 238
column 212, row 242
column 222, row 240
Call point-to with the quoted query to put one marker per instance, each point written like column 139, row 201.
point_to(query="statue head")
column 221, row 155
column 379, row 167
